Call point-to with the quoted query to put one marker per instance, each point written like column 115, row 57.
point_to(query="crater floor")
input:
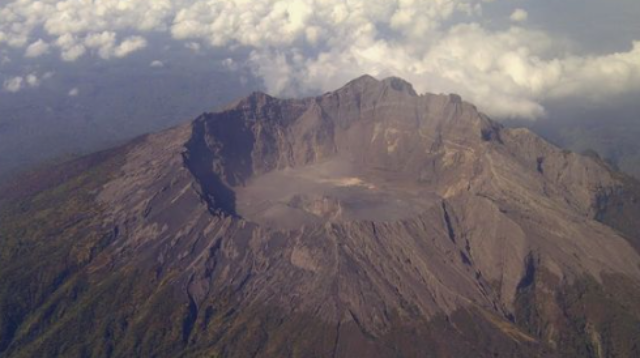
column 333, row 190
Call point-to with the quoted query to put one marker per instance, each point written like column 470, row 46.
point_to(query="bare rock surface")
column 361, row 222
column 363, row 202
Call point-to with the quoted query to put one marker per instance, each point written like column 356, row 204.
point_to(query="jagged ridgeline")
column 366, row 222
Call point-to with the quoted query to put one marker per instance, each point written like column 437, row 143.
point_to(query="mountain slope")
column 369, row 221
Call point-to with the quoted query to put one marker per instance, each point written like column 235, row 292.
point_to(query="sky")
column 508, row 56
column 514, row 59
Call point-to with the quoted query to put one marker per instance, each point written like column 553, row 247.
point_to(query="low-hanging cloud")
column 307, row 46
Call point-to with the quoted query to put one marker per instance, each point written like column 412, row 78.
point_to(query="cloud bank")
column 309, row 46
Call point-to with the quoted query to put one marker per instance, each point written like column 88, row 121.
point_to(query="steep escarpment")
column 369, row 221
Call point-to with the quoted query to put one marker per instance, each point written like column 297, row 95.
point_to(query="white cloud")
column 73, row 53
column 306, row 46
column 13, row 85
column 156, row 64
column 70, row 49
column 18, row 83
column 519, row 15
column 105, row 44
column 37, row 49
column 508, row 73
column 73, row 24
column 74, row 92
column 130, row 45
column 32, row 80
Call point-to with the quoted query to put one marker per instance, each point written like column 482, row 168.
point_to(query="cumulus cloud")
column 13, row 85
column 508, row 73
column 37, row 49
column 129, row 45
column 70, row 49
column 18, row 83
column 519, row 15
column 104, row 44
column 307, row 46
column 156, row 64
column 32, row 80
column 74, row 92
column 79, row 26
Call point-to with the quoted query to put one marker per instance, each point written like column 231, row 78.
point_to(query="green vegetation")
column 59, row 294
column 45, row 239
column 585, row 318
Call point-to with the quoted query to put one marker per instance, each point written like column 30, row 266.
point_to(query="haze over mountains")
column 89, row 105
column 610, row 129
column 368, row 221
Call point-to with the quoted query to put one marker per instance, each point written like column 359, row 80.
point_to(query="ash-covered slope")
column 370, row 221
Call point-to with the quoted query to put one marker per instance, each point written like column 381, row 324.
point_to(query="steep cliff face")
column 369, row 221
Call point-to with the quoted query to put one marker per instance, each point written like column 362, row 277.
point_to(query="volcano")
column 371, row 221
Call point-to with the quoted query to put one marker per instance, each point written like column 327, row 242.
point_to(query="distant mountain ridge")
column 369, row 221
